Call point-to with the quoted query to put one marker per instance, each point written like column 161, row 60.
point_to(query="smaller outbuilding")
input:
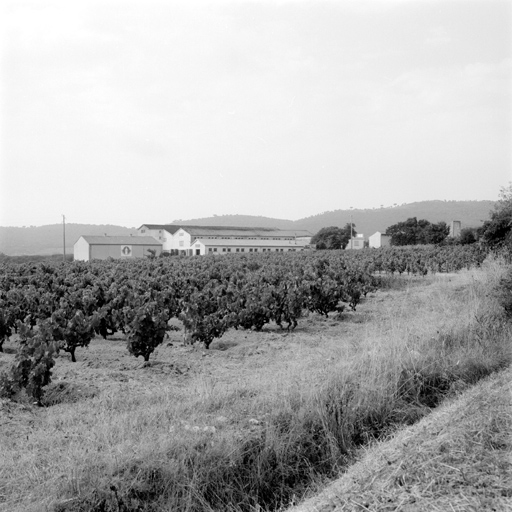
column 455, row 228
column 89, row 248
column 379, row 240
column 357, row 242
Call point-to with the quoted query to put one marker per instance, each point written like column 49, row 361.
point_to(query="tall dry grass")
column 261, row 439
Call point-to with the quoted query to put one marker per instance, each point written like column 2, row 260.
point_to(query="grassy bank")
column 457, row 458
column 260, row 419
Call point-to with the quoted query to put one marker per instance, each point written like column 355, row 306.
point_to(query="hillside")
column 239, row 220
column 47, row 240
column 470, row 213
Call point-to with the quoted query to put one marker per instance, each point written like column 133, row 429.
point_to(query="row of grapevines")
column 209, row 295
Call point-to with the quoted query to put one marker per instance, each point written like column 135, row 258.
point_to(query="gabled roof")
column 171, row 228
column 121, row 240
column 198, row 231
column 249, row 243
column 289, row 232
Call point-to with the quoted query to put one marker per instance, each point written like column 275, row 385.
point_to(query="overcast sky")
column 131, row 112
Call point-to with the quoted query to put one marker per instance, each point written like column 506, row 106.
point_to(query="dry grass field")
column 260, row 420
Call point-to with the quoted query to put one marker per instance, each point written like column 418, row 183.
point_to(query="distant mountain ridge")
column 46, row 240
column 367, row 221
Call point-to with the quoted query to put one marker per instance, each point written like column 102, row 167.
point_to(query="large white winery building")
column 200, row 240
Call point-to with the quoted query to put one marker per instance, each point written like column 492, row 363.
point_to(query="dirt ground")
column 107, row 364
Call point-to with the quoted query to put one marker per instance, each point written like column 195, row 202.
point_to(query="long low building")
column 88, row 248
column 203, row 246
column 198, row 240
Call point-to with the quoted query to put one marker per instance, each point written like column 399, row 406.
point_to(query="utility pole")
column 64, row 236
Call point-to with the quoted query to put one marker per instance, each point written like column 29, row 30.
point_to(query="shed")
column 379, row 240
column 89, row 248
column 357, row 242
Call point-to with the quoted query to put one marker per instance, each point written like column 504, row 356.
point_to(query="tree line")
column 495, row 232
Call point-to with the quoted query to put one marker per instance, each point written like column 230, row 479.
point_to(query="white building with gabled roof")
column 88, row 248
column 378, row 239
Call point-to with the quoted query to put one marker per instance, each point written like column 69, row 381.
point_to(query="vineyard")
column 64, row 306
column 260, row 377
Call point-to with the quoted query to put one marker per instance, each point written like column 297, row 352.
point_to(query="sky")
column 130, row 112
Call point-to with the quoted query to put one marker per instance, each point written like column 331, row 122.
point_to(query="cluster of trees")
column 333, row 237
column 496, row 232
column 417, row 232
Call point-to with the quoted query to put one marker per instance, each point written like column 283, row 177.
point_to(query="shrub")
column 146, row 328
column 504, row 293
column 73, row 329
column 32, row 368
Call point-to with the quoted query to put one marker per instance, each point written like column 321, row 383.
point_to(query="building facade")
column 88, row 248
column 200, row 240
column 455, row 228
column 211, row 246
column 357, row 242
column 379, row 240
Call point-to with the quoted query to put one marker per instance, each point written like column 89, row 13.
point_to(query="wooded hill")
column 46, row 240
column 470, row 213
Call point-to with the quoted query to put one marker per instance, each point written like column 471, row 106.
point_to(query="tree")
column 5, row 327
column 414, row 231
column 497, row 231
column 467, row 236
column 333, row 237
column 432, row 233
column 403, row 233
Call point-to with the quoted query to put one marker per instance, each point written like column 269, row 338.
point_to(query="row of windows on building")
column 159, row 231
column 242, row 249
column 163, row 238
column 182, row 244
column 243, row 238
column 246, row 238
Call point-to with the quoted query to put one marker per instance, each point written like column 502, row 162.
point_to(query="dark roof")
column 228, row 230
column 171, row 228
column 201, row 231
column 121, row 240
